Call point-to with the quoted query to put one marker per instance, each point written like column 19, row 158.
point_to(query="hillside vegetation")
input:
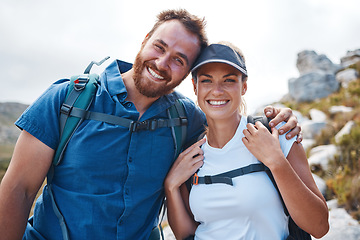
column 343, row 175
column 9, row 112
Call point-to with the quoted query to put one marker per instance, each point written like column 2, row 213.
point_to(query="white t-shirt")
column 251, row 209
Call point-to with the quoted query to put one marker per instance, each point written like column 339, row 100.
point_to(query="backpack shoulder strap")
column 178, row 123
column 81, row 91
column 177, row 111
column 263, row 119
column 227, row 177
column 295, row 232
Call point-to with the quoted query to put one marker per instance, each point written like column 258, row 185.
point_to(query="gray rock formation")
column 342, row 225
column 317, row 77
column 351, row 57
column 321, row 155
column 309, row 61
column 340, row 109
column 345, row 130
column 312, row 86
column 346, row 76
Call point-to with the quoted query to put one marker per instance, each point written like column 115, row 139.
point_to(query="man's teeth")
column 217, row 102
column 154, row 74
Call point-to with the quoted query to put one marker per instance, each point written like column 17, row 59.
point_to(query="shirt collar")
column 116, row 86
column 113, row 76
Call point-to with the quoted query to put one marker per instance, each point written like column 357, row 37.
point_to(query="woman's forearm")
column 180, row 220
column 304, row 201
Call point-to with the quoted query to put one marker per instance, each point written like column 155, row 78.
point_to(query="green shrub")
column 349, row 146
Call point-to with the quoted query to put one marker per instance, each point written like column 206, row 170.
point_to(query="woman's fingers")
column 196, row 145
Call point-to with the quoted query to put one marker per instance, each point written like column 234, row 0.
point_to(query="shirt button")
column 128, row 105
column 122, row 96
column 130, row 159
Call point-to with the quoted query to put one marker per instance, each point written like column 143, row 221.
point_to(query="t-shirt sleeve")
column 41, row 119
column 284, row 143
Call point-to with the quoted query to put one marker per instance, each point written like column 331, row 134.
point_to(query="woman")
column 250, row 208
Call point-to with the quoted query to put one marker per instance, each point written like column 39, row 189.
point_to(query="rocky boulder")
column 340, row 109
column 317, row 77
column 309, row 61
column 321, row 155
column 312, row 86
column 342, row 225
column 345, row 130
column 346, row 76
column 351, row 58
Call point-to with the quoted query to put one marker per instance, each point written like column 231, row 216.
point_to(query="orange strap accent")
column 195, row 179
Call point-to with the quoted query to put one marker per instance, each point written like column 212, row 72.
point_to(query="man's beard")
column 144, row 86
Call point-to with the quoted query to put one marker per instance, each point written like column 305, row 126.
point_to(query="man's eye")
column 159, row 48
column 179, row 61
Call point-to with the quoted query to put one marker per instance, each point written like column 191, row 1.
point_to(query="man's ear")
column 194, row 85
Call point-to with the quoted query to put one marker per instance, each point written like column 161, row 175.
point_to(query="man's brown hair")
column 192, row 23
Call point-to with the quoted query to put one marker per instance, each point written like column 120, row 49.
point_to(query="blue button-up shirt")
column 109, row 184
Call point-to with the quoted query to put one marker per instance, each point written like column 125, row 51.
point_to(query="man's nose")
column 162, row 62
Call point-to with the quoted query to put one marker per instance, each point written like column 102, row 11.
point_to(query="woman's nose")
column 217, row 89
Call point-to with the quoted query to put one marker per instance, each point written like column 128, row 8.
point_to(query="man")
column 109, row 184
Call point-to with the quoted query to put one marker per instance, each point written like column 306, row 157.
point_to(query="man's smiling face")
column 165, row 59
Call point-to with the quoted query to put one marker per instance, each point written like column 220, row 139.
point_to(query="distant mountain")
column 9, row 112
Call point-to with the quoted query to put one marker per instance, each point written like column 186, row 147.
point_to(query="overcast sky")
column 45, row 40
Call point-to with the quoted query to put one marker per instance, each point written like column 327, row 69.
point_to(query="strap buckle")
column 66, row 109
column 144, row 125
column 195, row 179
column 133, row 126
column 152, row 124
column 80, row 83
column 183, row 121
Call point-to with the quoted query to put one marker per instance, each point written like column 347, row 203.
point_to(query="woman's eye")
column 205, row 81
column 230, row 80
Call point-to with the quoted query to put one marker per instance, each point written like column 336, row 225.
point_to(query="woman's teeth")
column 217, row 103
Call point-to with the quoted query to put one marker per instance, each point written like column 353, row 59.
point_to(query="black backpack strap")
column 268, row 172
column 132, row 126
column 178, row 123
column 226, row 177
column 263, row 119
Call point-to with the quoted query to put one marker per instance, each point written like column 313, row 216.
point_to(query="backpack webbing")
column 177, row 110
column 75, row 110
column 81, row 92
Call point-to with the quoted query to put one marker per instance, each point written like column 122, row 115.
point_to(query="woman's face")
column 219, row 90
